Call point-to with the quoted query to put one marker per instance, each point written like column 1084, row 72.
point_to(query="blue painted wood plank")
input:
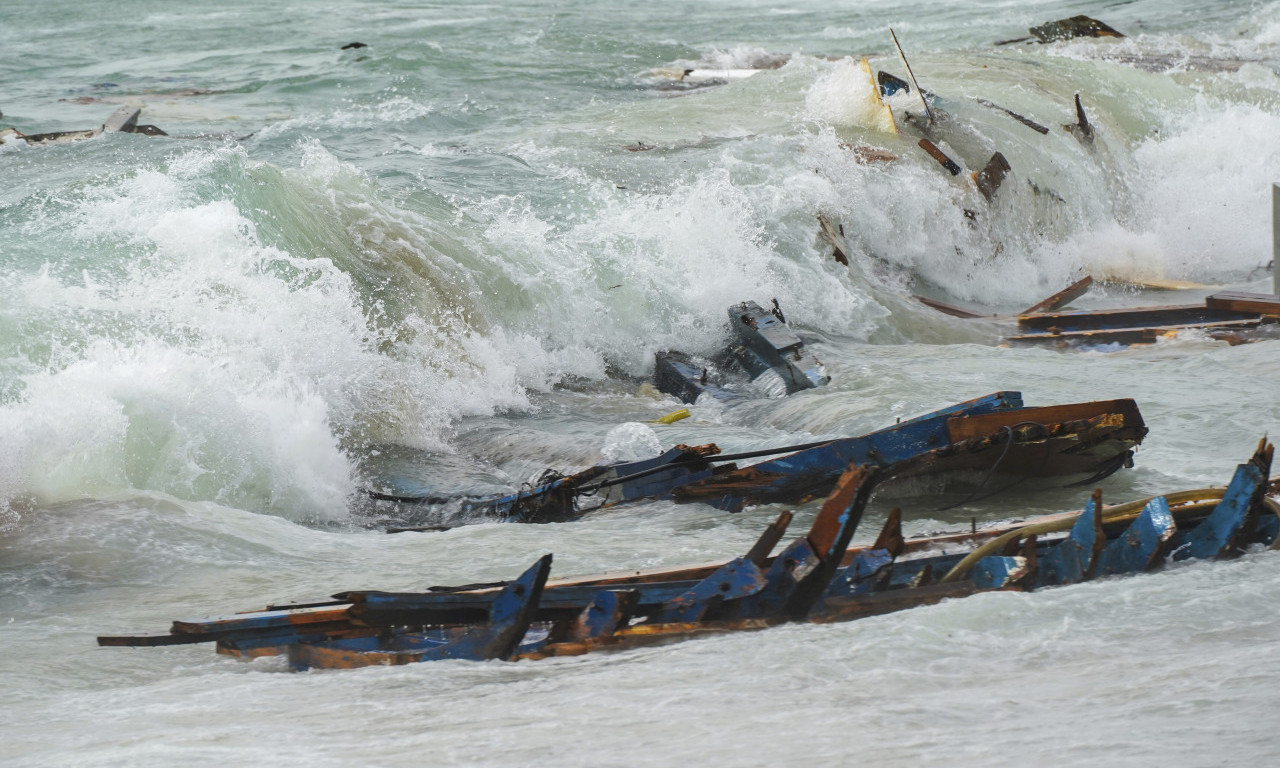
column 997, row 572
column 1217, row 535
column 734, row 580
column 1143, row 544
column 821, row 465
column 1072, row 560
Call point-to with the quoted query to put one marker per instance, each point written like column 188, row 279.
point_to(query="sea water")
column 450, row 256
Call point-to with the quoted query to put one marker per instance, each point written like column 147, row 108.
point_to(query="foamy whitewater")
column 450, row 256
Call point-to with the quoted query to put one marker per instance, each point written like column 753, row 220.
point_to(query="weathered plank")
column 1241, row 301
column 1061, row 298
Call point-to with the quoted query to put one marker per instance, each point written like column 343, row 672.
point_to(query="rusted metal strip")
column 967, row 427
column 949, row 309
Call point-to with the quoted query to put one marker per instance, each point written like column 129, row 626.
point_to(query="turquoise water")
column 443, row 250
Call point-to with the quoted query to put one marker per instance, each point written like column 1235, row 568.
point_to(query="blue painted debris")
column 1074, row 559
column 1144, row 543
column 994, row 434
column 816, row 578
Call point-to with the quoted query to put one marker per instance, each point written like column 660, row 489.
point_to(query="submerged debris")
column 1081, row 128
column 1066, row 29
column 123, row 120
column 762, row 346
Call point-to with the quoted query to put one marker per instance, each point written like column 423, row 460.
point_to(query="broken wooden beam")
column 948, row 309
column 940, row 156
column 1032, row 124
column 1061, row 298
column 989, row 179
column 1241, row 301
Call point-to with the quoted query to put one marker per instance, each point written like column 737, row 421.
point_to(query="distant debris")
column 123, row 120
column 1081, row 128
column 1076, row 26
column 349, row 46
column 1232, row 316
column 1066, row 29
column 1032, row 124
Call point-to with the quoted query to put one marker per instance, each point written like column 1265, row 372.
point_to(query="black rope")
column 973, row 495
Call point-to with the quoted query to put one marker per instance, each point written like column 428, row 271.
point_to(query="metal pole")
column 1275, row 238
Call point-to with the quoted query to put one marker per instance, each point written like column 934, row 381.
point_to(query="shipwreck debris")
column 1081, row 128
column 1066, row 29
column 989, row 179
column 762, row 346
column 1032, row 124
column 911, row 75
column 817, row 578
column 123, row 120
column 937, row 154
column 1233, row 316
column 996, row 435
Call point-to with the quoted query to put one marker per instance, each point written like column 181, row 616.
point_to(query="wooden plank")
column 1061, row 298
column 1144, row 543
column 986, row 424
column 1241, row 301
column 948, row 309
column 1130, row 317
column 1137, row 335
column 989, row 179
column 833, row 233
column 940, row 156
column 1032, row 124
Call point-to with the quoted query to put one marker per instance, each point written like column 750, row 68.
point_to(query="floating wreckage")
column 123, row 120
column 816, row 578
column 1233, row 316
column 990, row 436
column 1065, row 29
column 764, row 349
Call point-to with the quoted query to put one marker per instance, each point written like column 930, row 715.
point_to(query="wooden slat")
column 982, row 425
column 1240, row 301
column 1061, row 298
column 948, row 309
column 1132, row 335
column 1130, row 317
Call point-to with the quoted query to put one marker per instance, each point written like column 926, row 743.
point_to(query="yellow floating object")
column 883, row 115
column 673, row 417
